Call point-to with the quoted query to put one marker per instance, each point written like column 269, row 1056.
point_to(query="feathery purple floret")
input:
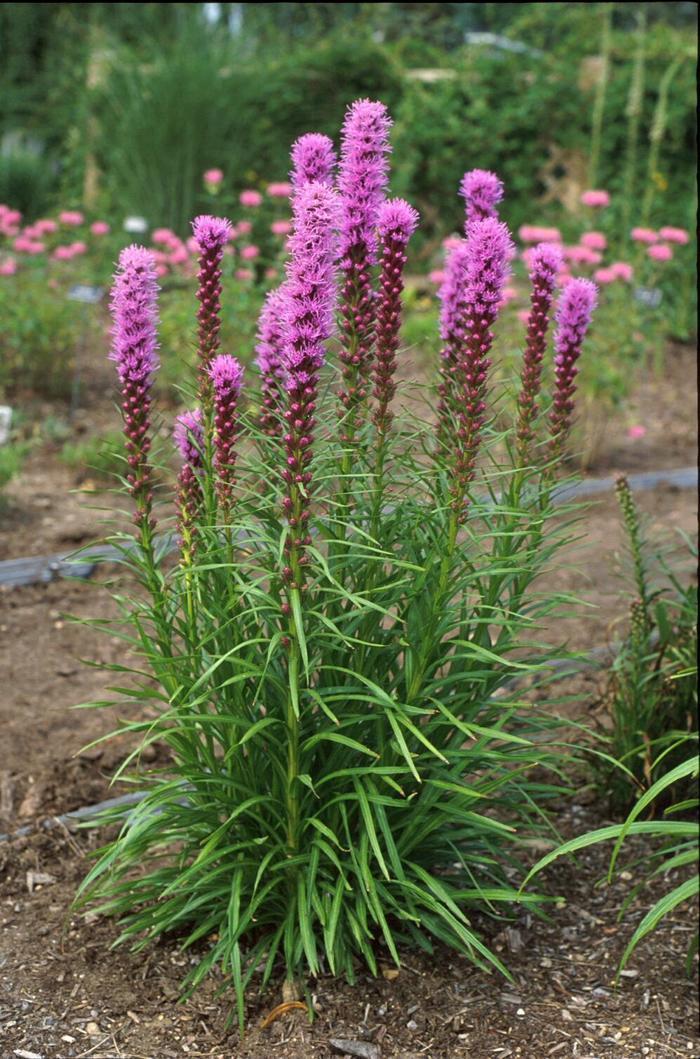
column 269, row 360
column 313, row 160
column 545, row 264
column 188, row 435
column 573, row 316
column 212, row 234
column 481, row 269
column 308, row 314
column 134, row 311
column 226, row 375
column 481, row 191
column 396, row 224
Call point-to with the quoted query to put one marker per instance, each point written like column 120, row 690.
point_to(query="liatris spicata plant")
column 270, row 361
column 134, row 351
column 545, row 264
column 573, row 316
column 226, row 376
column 331, row 662
column 482, row 191
column 313, row 160
column 362, row 181
column 396, row 224
column 212, row 234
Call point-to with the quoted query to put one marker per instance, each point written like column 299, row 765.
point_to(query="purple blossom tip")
column 135, row 315
column 363, row 174
column 546, row 261
column 397, row 219
column 482, row 191
column 313, row 159
column 188, row 435
column 212, row 233
column 574, row 311
column 226, row 374
column 270, row 337
column 489, row 250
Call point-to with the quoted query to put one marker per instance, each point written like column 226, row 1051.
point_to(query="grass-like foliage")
column 653, row 686
column 330, row 657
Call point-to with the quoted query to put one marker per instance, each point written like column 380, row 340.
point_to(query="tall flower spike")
column 188, row 435
column 226, row 376
column 397, row 223
column 309, row 308
column 313, row 160
column 211, row 234
column 452, row 297
column 482, row 191
column 362, row 180
column 546, row 261
column 269, row 360
column 485, row 260
column 135, row 351
column 573, row 316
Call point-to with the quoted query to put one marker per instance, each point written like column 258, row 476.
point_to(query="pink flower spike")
column 675, row 235
column 313, row 160
column 574, row 311
column 660, row 252
column 596, row 199
column 482, row 191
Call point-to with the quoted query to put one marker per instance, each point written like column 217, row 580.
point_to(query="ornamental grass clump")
column 333, row 655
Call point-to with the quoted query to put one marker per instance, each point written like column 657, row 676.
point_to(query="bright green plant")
column 653, row 691
column 95, row 457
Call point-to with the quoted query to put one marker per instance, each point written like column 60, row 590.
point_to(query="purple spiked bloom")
column 573, row 316
column 362, row 180
column 308, row 313
column 212, row 234
column 481, row 191
column 135, row 351
column 485, row 265
column 396, row 224
column 188, row 435
column 226, row 376
column 269, row 360
column 452, row 296
column 545, row 264
column 313, row 160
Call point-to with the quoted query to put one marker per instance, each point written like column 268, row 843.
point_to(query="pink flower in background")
column 622, row 270
column 62, row 253
column 192, row 245
column 164, row 236
column 437, row 276
column 21, row 244
column 281, row 227
column 250, row 198
column 71, row 218
column 582, row 255
column 644, row 235
column 243, row 274
column 35, row 248
column 675, row 235
column 45, row 226
column 451, row 242
column 78, row 248
column 99, row 228
column 509, row 293
column 249, row 253
column 604, row 275
column 213, row 177
column 524, row 316
column 161, row 270
column 660, row 252
column 271, row 273
column 596, row 199
column 533, row 233
column 244, row 228
column 637, row 431
column 8, row 267
column 178, row 255
column 280, row 190
column 594, row 240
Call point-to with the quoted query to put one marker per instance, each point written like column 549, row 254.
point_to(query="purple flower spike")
column 481, row 268
column 545, row 264
column 134, row 311
column 308, row 313
column 397, row 222
column 188, row 435
column 212, row 234
column 313, row 160
column 362, row 180
column 226, row 376
column 481, row 191
column 269, row 360
column 573, row 316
